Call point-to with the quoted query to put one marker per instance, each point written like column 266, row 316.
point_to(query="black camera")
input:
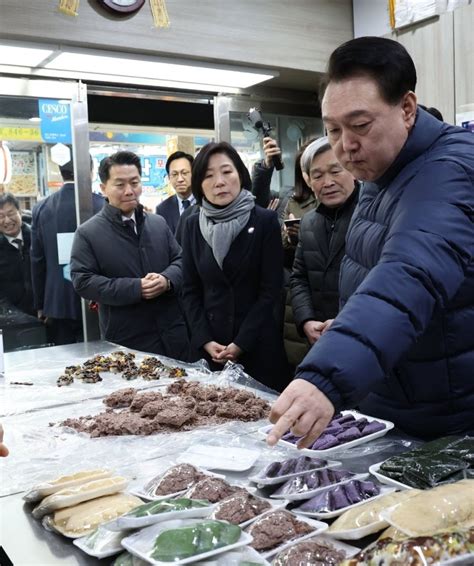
column 255, row 118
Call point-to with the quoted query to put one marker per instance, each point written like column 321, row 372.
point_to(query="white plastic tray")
column 124, row 522
column 229, row 458
column 235, row 558
column 275, row 506
column 323, row 453
column 318, row 526
column 139, row 543
column 348, row 549
column 261, row 480
column 374, row 470
column 309, row 494
column 115, row 546
column 143, row 494
column 337, row 512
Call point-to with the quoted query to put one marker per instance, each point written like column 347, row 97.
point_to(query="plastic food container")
column 350, row 444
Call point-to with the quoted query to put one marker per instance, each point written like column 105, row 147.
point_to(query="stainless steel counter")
column 23, row 538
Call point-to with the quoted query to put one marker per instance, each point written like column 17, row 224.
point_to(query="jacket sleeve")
column 261, row 181
column 38, row 260
column 174, row 270
column 271, row 284
column 90, row 284
column 427, row 253
column 300, row 289
column 193, row 294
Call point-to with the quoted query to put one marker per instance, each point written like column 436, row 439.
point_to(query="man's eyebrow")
column 349, row 116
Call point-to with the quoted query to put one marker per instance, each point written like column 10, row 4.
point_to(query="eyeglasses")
column 175, row 174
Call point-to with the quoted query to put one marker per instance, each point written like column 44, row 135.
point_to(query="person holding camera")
column 301, row 201
column 233, row 270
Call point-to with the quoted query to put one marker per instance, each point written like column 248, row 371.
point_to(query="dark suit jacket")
column 114, row 280
column 15, row 276
column 53, row 294
column 235, row 304
column 170, row 211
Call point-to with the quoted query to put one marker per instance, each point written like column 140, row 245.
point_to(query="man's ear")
column 409, row 105
column 306, row 179
column 102, row 188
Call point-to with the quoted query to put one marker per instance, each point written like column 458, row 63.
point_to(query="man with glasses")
column 15, row 238
column 178, row 167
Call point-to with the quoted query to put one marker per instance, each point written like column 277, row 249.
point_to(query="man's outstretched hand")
column 303, row 410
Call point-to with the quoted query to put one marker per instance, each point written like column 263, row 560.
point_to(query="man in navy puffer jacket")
column 402, row 347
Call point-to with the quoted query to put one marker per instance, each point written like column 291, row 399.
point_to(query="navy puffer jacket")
column 402, row 347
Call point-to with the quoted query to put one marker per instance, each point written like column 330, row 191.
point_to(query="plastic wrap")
column 444, row 460
column 442, row 549
column 102, row 542
column 430, row 511
column 181, row 541
column 339, row 497
column 157, row 511
column 275, row 530
column 363, row 518
column 30, row 382
column 308, row 485
column 36, row 448
column 315, row 551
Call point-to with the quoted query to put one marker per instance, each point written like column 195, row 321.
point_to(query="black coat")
column 169, row 209
column 107, row 263
column 235, row 304
column 15, row 275
column 314, row 281
column 53, row 294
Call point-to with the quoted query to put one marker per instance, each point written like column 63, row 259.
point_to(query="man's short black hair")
column 67, row 170
column 384, row 60
column 178, row 155
column 119, row 158
column 201, row 164
column 9, row 198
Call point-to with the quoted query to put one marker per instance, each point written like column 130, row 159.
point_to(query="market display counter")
column 39, row 452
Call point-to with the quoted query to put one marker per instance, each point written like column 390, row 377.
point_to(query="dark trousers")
column 64, row 331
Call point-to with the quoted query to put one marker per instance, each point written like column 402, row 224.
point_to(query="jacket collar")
column 115, row 214
column 425, row 131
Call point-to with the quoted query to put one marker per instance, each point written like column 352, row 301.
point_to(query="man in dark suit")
column 55, row 299
column 137, row 287
column 178, row 167
column 15, row 239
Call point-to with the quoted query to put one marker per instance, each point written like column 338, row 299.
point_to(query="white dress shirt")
column 191, row 200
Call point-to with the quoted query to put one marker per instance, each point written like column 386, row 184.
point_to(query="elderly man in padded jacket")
column 130, row 263
column 314, row 281
column 402, row 347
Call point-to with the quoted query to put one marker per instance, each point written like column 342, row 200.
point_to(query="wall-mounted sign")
column 14, row 133
column 122, row 7
column 55, row 120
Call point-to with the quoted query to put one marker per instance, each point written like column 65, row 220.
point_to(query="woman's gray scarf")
column 220, row 226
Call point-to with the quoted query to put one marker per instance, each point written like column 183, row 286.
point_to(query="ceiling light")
column 35, row 119
column 23, row 56
column 152, row 68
